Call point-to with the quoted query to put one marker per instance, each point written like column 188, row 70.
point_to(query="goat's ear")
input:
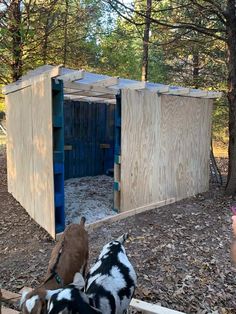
column 123, row 238
column 78, row 281
column 82, row 221
column 50, row 293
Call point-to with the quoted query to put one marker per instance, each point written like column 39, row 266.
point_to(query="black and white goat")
column 111, row 282
column 109, row 287
column 70, row 299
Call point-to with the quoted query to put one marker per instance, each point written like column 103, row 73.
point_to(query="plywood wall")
column 30, row 150
column 165, row 144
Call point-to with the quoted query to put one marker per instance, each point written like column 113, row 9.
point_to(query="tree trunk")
column 45, row 43
column 146, row 41
column 65, row 33
column 231, row 42
column 15, row 31
column 196, row 69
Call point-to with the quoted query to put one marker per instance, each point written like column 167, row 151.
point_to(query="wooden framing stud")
column 111, row 81
column 161, row 89
column 72, row 76
column 179, row 91
column 198, row 93
column 86, row 94
column 27, row 81
column 90, row 88
column 136, row 85
column 214, row 95
column 126, row 214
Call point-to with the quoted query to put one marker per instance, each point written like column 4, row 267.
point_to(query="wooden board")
column 165, row 145
column 43, row 194
column 6, row 310
column 144, row 307
column 20, row 147
column 10, row 297
column 123, row 215
column 30, row 150
column 150, row 308
column 32, row 76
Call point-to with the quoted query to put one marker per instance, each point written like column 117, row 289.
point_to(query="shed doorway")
column 89, row 129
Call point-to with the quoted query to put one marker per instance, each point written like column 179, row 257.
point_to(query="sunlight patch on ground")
column 220, row 150
column 3, row 139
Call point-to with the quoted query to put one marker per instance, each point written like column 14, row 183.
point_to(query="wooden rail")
column 150, row 308
column 141, row 306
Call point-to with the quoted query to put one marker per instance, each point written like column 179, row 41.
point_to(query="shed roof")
column 79, row 84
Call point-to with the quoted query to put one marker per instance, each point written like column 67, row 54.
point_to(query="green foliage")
column 88, row 34
column 120, row 52
column 2, row 106
column 2, row 101
column 220, row 121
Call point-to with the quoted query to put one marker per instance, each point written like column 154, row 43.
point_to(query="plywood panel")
column 164, row 147
column 30, row 150
column 20, row 147
column 44, row 212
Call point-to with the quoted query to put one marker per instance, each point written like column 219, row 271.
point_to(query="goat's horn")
column 123, row 238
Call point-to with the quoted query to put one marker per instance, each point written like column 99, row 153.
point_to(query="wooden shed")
column 157, row 137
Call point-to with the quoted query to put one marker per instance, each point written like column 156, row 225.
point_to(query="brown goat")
column 69, row 256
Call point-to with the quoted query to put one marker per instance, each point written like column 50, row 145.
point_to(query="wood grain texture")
column 10, row 297
column 44, row 209
column 30, row 151
column 164, row 147
column 150, row 308
column 6, row 310
column 45, row 71
column 20, row 171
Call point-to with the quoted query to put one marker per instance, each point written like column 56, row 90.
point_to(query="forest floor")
column 181, row 252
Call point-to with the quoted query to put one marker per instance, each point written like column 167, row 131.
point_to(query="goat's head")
column 70, row 299
column 33, row 302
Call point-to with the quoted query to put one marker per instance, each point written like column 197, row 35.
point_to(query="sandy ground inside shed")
column 91, row 197
column 181, row 252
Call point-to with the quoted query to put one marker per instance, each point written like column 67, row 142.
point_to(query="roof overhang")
column 87, row 86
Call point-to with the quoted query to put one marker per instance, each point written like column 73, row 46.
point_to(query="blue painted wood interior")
column 118, row 127
column 117, row 148
column 89, row 128
column 58, row 153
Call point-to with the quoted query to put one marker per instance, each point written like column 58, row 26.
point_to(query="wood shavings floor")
column 91, row 197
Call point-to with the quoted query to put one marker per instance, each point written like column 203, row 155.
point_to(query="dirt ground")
column 181, row 252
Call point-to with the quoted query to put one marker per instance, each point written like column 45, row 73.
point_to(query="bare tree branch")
column 177, row 25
